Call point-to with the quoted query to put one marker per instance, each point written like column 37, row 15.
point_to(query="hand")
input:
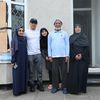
column 12, row 64
column 8, row 50
column 47, row 58
column 78, row 57
column 50, row 59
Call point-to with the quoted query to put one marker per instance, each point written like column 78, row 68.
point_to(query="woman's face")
column 77, row 29
column 44, row 33
column 21, row 32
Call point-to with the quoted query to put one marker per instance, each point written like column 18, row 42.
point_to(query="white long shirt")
column 33, row 42
column 58, row 44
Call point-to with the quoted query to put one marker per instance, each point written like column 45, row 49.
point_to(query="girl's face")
column 44, row 33
column 77, row 29
column 21, row 32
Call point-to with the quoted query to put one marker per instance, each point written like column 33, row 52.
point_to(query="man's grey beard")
column 57, row 29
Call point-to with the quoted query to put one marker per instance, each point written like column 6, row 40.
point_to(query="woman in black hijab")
column 19, row 62
column 79, row 61
column 43, row 46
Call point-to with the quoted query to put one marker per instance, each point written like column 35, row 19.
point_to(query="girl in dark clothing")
column 19, row 62
column 43, row 46
column 79, row 61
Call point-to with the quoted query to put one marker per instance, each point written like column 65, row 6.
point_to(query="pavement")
column 93, row 93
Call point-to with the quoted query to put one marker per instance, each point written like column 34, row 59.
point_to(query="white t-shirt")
column 33, row 42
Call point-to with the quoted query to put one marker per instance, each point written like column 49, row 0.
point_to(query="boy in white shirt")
column 34, row 56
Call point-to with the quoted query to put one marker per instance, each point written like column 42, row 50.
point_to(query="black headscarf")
column 79, row 39
column 43, row 39
column 14, row 42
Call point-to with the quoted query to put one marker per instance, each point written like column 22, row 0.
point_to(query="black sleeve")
column 86, row 55
column 40, row 46
column 13, row 59
column 73, row 52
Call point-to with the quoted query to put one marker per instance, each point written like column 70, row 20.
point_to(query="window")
column 15, row 12
column 17, row 15
column 82, row 3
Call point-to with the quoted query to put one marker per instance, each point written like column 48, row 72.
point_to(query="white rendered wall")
column 5, row 74
column 46, row 11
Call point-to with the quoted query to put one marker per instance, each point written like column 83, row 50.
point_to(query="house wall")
column 46, row 11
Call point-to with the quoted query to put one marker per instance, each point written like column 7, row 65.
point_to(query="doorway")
column 83, row 16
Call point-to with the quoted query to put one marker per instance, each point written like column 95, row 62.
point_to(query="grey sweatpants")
column 35, row 68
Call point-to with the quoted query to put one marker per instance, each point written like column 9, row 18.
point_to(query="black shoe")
column 17, row 94
column 32, row 89
column 54, row 90
column 83, row 92
column 40, row 87
column 65, row 91
column 24, row 92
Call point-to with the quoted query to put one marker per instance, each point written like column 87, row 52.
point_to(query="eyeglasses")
column 21, row 30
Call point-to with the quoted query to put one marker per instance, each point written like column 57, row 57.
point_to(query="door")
column 82, row 15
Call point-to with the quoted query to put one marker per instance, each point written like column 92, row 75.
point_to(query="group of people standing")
column 66, row 59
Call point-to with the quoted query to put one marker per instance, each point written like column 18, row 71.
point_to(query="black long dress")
column 44, row 53
column 78, row 69
column 20, row 73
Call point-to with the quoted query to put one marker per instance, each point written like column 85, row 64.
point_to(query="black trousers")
column 59, row 68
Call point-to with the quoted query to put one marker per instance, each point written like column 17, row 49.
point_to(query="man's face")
column 33, row 26
column 58, row 24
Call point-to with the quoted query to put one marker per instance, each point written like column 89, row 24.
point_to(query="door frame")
column 92, row 29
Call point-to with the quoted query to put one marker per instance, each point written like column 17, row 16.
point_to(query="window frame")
column 9, row 3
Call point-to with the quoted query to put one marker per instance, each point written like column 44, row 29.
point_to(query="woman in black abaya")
column 19, row 62
column 79, row 61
